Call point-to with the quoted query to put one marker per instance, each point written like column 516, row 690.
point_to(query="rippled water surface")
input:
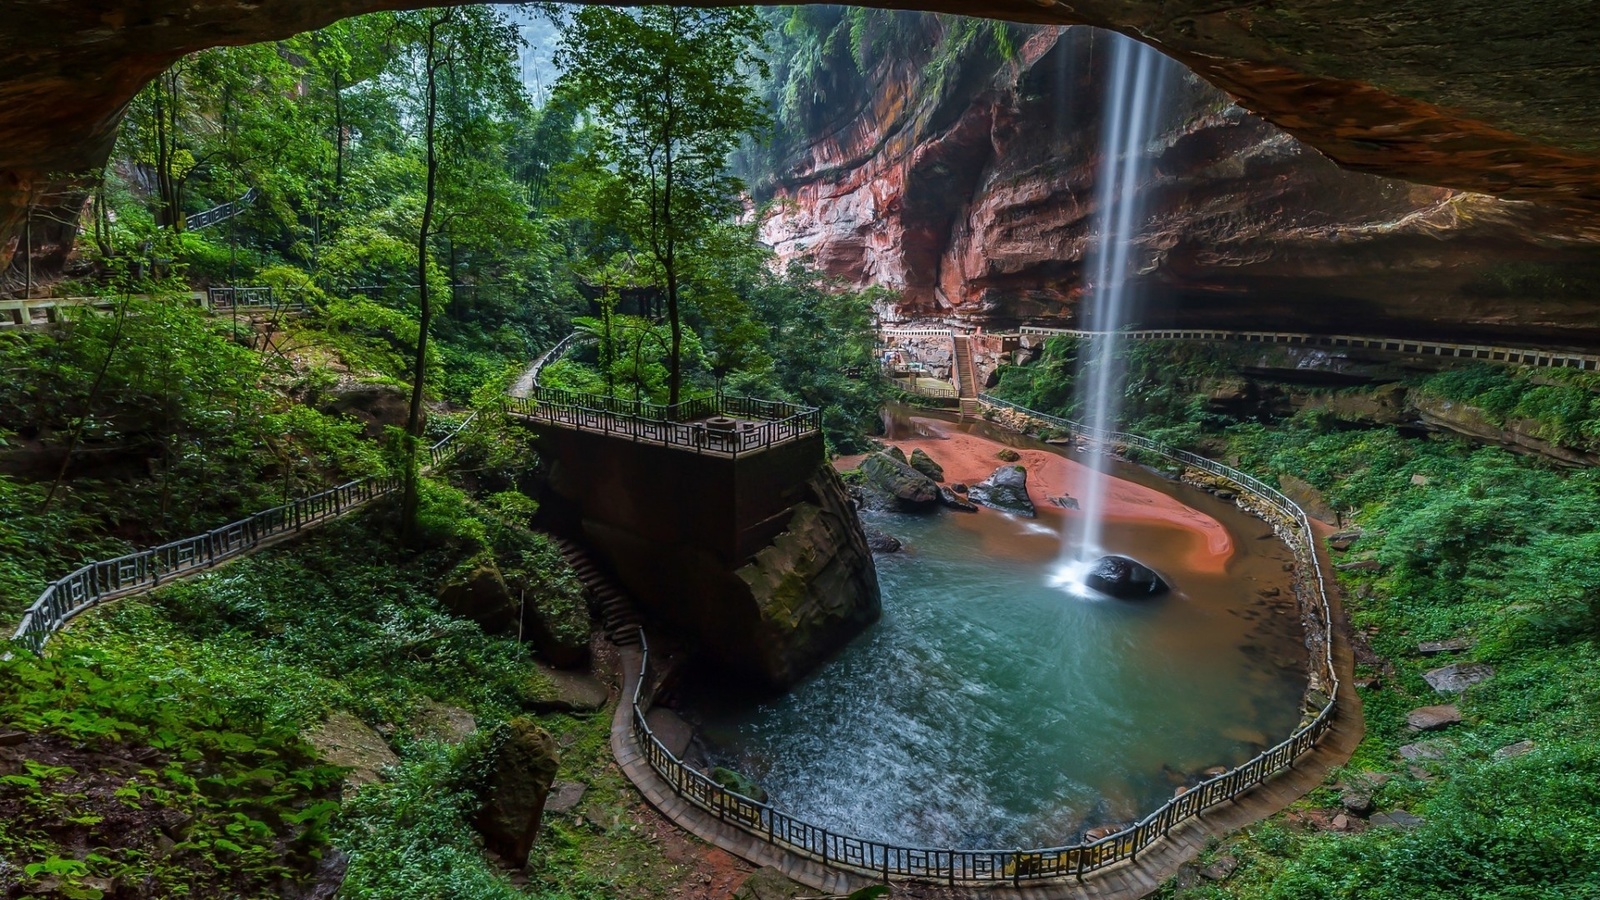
column 989, row 709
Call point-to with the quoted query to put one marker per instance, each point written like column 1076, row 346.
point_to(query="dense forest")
column 426, row 224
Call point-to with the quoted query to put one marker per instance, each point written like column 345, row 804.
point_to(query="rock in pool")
column 1005, row 490
column 1123, row 578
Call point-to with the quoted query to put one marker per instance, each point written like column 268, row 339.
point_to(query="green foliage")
column 412, row 837
column 252, row 795
column 1562, row 405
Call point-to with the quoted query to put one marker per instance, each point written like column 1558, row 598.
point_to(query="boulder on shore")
column 1005, row 490
column 1123, row 578
column 898, row 485
column 924, row 463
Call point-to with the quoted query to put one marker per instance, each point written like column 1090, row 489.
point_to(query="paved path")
column 1125, row 881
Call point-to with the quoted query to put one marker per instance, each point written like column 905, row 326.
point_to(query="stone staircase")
column 618, row 617
column 966, row 377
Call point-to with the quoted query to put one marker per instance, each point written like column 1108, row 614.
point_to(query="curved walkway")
column 1125, row 881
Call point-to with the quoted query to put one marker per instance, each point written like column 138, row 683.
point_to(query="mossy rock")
column 924, row 463
column 1009, row 455
column 738, row 783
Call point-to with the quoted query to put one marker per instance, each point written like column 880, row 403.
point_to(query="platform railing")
column 1015, row 866
column 759, row 424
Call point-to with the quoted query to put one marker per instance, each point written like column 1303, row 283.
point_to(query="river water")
column 989, row 709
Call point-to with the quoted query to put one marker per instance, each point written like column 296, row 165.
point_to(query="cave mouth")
column 985, row 710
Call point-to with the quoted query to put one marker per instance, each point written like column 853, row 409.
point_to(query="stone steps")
column 619, row 619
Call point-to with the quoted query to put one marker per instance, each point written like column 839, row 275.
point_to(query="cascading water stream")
column 1133, row 99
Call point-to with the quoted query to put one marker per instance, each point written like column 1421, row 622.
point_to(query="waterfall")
column 1132, row 100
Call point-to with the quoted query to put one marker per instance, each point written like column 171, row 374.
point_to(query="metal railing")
column 953, row 866
column 223, row 298
column 144, row 570
column 221, row 212
column 1525, row 356
column 682, row 425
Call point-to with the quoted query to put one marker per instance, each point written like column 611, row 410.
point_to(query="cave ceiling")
column 1481, row 95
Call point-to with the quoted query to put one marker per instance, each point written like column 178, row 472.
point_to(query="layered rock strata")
column 977, row 201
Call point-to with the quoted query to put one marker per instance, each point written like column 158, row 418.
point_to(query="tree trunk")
column 414, row 421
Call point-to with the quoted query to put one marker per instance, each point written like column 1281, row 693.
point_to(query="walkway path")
column 1526, row 356
column 1126, row 881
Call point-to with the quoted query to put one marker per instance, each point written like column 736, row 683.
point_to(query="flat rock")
column 1397, row 818
column 564, row 796
column 574, row 692
column 344, row 740
column 1342, row 540
column 1455, row 678
column 1422, row 750
column 1220, row 868
column 1360, row 565
column 1513, row 750
column 436, row 721
column 1434, row 648
column 1432, row 718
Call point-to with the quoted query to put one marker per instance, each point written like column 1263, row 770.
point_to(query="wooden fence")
column 991, row 866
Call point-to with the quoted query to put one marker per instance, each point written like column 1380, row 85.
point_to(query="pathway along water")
column 989, row 709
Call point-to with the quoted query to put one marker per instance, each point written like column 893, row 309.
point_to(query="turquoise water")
column 989, row 709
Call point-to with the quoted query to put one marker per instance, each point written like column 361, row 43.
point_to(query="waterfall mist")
column 1133, row 94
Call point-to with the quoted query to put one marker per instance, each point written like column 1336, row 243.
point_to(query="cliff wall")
column 969, row 185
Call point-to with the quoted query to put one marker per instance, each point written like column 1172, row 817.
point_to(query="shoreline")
column 969, row 457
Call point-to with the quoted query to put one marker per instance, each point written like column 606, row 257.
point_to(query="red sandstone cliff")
column 975, row 197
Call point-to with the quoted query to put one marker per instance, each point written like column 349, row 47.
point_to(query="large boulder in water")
column 1005, row 490
column 1123, row 578
column 924, row 463
column 901, row 486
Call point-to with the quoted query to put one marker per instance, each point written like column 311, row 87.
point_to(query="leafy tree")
column 669, row 86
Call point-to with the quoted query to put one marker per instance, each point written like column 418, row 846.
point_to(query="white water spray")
column 1133, row 98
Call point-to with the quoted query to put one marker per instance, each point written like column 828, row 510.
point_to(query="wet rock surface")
column 893, row 484
column 1124, row 578
column 1006, row 490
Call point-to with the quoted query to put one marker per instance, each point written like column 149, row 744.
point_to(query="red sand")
column 970, row 458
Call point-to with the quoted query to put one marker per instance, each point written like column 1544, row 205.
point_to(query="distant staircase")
column 966, row 377
column 618, row 617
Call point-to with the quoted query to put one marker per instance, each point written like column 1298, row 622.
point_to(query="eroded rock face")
column 814, row 588
column 978, row 203
column 1463, row 93
column 1124, row 578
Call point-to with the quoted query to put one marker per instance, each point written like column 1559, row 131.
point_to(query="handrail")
column 97, row 582
column 1527, row 356
column 671, row 425
column 953, row 866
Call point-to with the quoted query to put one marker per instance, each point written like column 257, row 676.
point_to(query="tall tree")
column 670, row 86
column 468, row 51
